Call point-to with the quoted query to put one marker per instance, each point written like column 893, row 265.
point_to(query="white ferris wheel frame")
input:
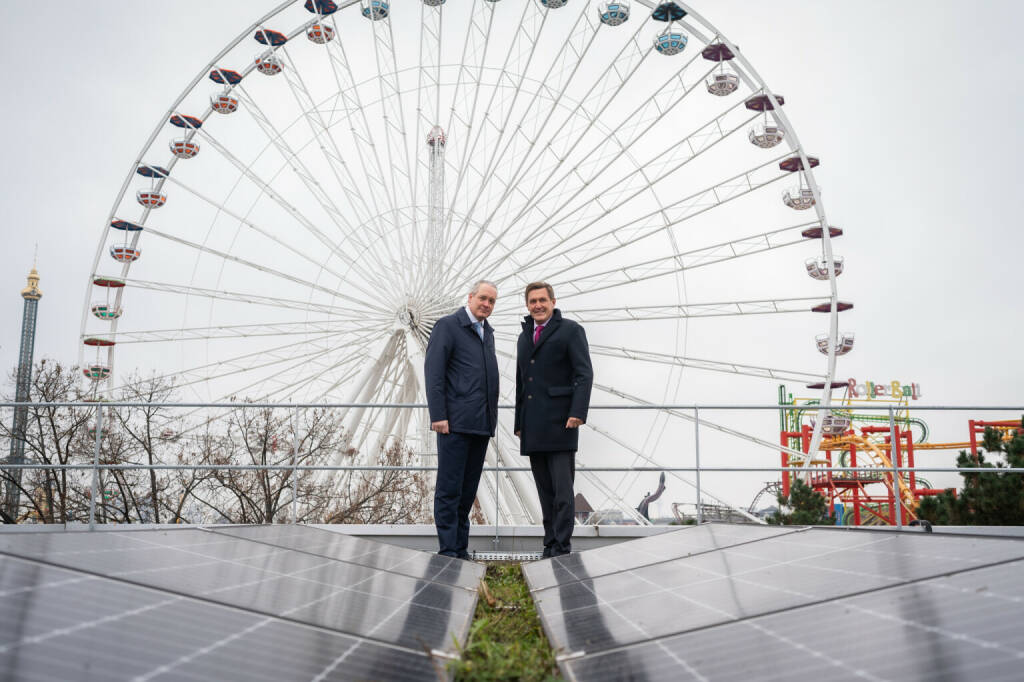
column 698, row 27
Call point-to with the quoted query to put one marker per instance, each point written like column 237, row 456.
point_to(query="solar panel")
column 60, row 624
column 583, row 614
column 961, row 627
column 363, row 552
column 274, row 581
column 686, row 541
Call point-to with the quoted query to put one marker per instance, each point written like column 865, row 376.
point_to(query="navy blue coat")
column 461, row 375
column 553, row 382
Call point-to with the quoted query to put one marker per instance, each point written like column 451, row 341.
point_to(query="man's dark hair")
column 539, row 285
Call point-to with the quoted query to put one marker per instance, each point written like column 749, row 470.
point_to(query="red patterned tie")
column 536, row 333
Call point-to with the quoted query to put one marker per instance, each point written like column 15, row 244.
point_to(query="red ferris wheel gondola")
column 183, row 121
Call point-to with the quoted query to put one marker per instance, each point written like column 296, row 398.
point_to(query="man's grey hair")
column 476, row 287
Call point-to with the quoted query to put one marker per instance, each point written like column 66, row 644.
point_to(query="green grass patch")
column 506, row 641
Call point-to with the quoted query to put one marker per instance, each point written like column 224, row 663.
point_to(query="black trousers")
column 554, row 473
column 460, row 459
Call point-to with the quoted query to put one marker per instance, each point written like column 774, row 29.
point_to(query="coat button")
column 532, row 361
column 530, row 379
column 529, row 397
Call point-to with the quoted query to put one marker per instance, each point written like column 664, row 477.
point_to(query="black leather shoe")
column 464, row 556
column 546, row 554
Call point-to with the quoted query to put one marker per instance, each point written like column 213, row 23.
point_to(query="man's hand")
column 439, row 427
column 517, row 434
column 573, row 423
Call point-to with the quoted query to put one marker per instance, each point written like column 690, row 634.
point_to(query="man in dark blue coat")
column 553, row 382
column 461, row 375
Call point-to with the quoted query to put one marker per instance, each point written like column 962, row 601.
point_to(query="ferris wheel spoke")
column 227, row 257
column 469, row 76
column 343, row 175
column 705, row 423
column 234, row 365
column 679, row 262
column 542, row 204
column 242, row 220
column 600, row 94
column 363, row 139
column 273, row 194
column 287, row 362
column 316, row 190
column 584, row 210
column 242, row 297
column 490, row 126
column 637, row 355
column 655, row 222
column 334, row 325
column 676, row 311
column 394, row 133
column 521, row 137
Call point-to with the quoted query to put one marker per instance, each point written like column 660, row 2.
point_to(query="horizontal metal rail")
column 630, row 406
column 895, row 470
column 383, row 467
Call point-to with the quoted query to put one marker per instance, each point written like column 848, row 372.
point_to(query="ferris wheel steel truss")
column 406, row 218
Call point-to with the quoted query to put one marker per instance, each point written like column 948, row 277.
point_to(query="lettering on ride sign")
column 872, row 390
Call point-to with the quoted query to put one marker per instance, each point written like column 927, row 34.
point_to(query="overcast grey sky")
column 912, row 107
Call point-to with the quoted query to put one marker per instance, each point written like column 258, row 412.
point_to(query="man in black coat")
column 461, row 375
column 553, row 381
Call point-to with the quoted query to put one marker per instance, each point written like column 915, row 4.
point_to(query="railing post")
column 895, row 470
column 95, row 467
column 696, row 442
column 295, row 459
column 497, row 490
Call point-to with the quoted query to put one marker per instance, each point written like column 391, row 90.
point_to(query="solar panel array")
column 721, row 602
column 254, row 603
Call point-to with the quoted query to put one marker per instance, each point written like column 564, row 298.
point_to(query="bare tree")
column 53, row 435
column 293, row 443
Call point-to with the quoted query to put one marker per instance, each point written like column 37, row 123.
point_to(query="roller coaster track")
column 881, row 460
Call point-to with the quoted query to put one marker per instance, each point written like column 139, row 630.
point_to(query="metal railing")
column 895, row 470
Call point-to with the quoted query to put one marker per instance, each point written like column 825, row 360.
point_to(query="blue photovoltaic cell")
column 967, row 626
column 275, row 581
column 684, row 542
column 65, row 625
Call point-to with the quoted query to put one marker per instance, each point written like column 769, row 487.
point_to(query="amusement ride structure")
column 879, row 456
column 336, row 178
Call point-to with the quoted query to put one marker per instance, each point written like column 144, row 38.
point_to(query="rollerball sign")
column 893, row 389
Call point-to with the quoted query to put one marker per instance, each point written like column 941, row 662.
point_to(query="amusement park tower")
column 31, row 294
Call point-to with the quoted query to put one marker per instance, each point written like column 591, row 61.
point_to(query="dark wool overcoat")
column 461, row 375
column 553, row 382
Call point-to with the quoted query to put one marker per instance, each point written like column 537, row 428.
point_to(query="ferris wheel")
column 338, row 176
